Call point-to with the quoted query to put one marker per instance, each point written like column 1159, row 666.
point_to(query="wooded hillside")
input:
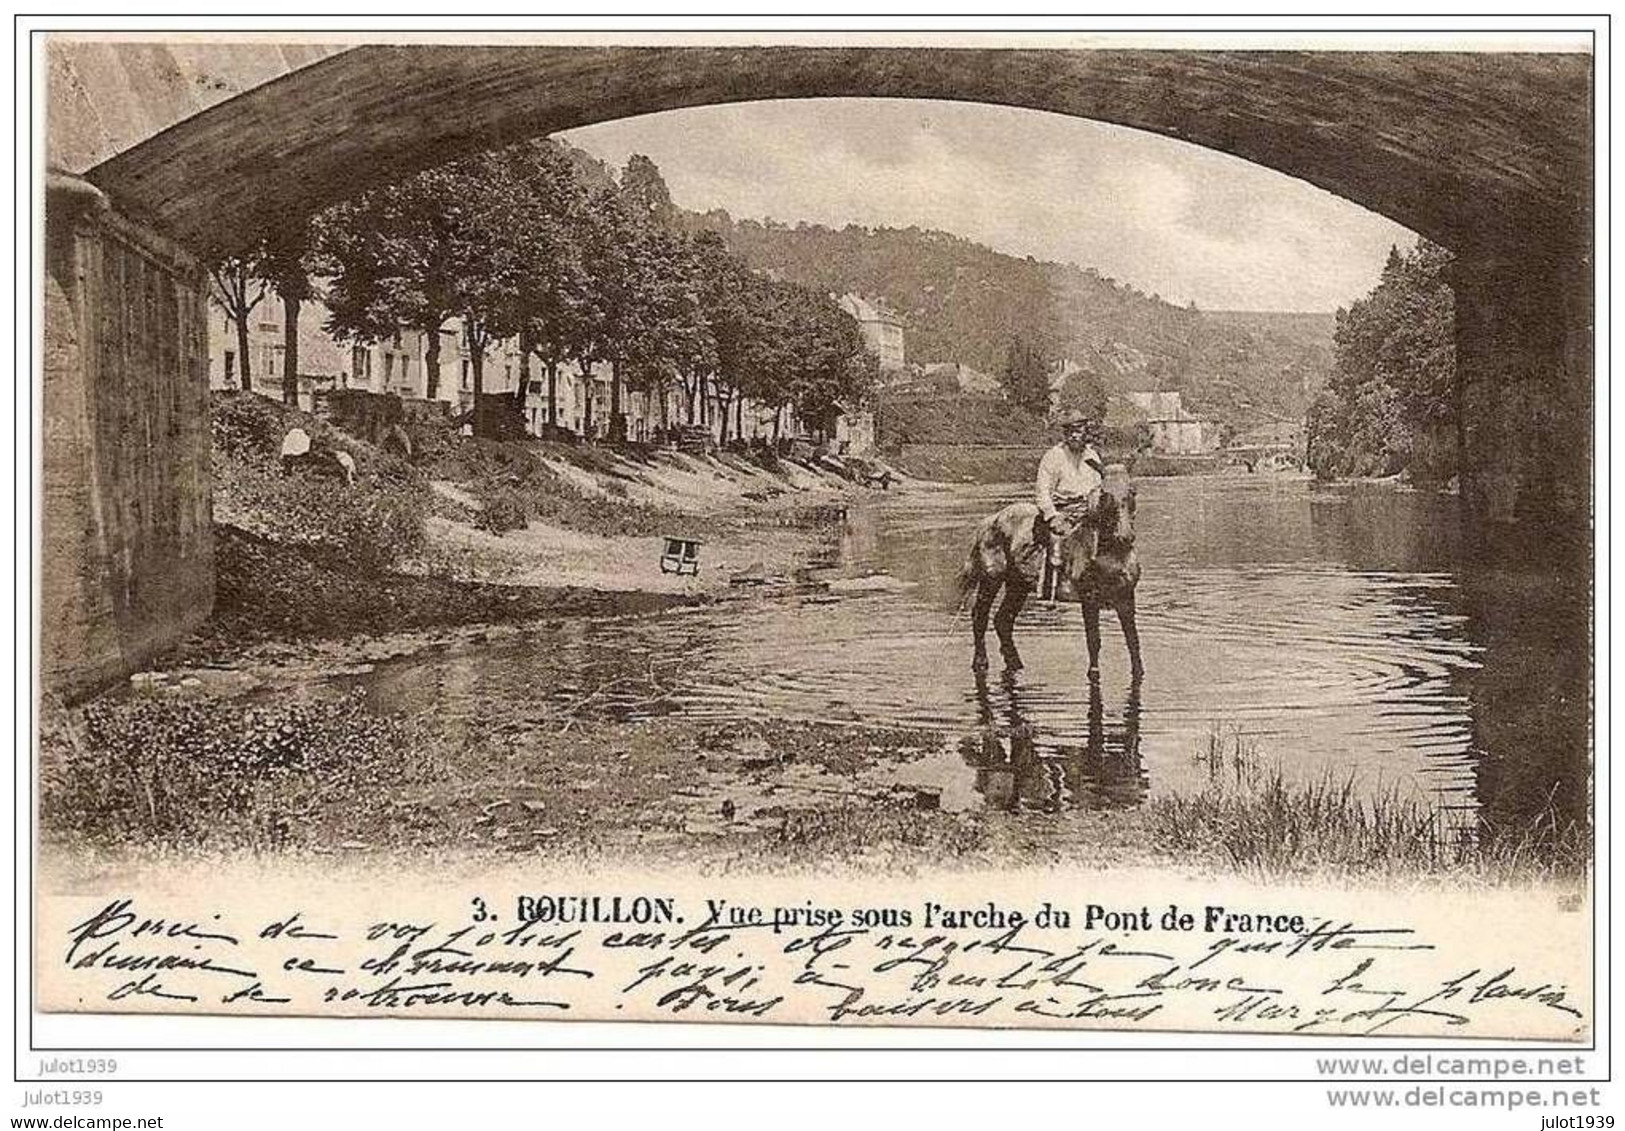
column 964, row 302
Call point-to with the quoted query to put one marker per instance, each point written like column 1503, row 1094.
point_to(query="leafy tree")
column 743, row 312
column 965, row 302
column 828, row 367
column 1026, row 375
column 442, row 244
column 238, row 289
column 620, row 263
column 555, row 308
column 488, row 238
column 691, row 351
column 648, row 284
column 285, row 262
column 515, row 242
column 1086, row 390
column 645, row 192
column 395, row 263
column 774, row 337
column 1389, row 403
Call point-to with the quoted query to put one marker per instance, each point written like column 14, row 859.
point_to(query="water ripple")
column 1332, row 639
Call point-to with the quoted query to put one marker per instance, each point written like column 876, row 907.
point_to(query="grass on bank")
column 197, row 771
column 169, row 768
column 1250, row 815
column 178, row 770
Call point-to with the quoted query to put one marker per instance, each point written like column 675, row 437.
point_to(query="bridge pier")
column 1524, row 393
column 126, row 556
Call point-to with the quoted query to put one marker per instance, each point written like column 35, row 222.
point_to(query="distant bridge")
column 1284, row 456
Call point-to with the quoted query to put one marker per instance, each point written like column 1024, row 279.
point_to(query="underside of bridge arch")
column 1487, row 154
column 1454, row 146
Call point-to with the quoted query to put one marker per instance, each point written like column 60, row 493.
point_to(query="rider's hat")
column 1076, row 418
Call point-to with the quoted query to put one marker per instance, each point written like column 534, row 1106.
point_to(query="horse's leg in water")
column 1131, row 634
column 1015, row 595
column 1091, row 631
column 986, row 590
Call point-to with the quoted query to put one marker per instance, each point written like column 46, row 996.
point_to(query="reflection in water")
column 1015, row 770
column 1530, row 710
column 1385, row 530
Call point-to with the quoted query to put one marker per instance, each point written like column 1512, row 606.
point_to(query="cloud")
column 1166, row 216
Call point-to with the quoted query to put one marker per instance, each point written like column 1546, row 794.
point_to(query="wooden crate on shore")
column 680, row 556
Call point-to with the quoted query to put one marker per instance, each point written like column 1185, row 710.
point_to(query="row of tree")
column 1389, row 404
column 520, row 244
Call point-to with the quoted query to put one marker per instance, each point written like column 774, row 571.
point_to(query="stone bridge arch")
column 176, row 148
column 1461, row 147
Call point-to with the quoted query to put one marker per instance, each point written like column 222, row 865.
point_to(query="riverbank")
column 968, row 463
column 475, row 531
column 1016, row 463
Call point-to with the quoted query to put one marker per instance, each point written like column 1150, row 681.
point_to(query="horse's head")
column 1114, row 516
column 1101, row 547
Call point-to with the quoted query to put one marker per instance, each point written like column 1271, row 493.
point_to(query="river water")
column 1333, row 633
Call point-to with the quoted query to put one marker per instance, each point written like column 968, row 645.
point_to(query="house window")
column 361, row 364
column 397, row 339
column 465, row 374
column 389, row 367
column 231, row 365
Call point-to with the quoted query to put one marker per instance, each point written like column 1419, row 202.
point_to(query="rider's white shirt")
column 1065, row 477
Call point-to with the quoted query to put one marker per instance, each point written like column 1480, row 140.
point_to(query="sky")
column 1171, row 218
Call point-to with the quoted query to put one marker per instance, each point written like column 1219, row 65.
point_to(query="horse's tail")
column 974, row 570
column 969, row 576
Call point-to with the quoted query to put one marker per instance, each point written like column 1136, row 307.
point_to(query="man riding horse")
column 1082, row 528
column 1069, row 475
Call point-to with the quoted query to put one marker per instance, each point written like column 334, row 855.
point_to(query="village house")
column 322, row 361
column 881, row 328
column 957, row 377
column 399, row 365
column 395, row 365
column 1173, row 429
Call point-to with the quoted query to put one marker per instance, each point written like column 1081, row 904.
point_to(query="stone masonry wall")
column 127, row 565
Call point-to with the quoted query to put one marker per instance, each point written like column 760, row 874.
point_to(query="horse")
column 1097, row 557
